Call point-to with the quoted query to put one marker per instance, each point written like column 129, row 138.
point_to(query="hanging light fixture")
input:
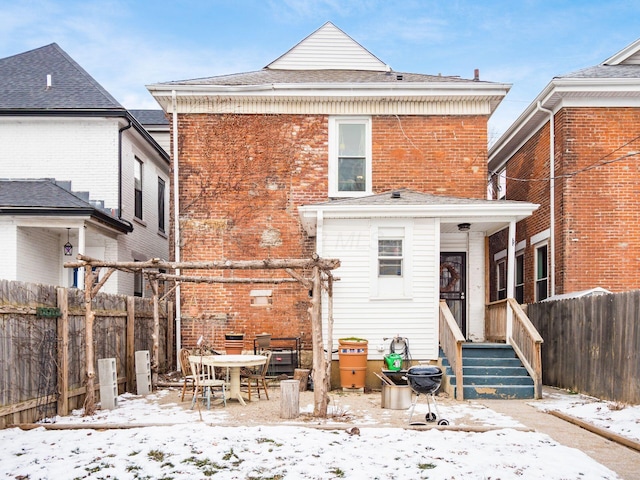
column 68, row 248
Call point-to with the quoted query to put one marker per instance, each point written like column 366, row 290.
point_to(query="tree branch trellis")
column 322, row 279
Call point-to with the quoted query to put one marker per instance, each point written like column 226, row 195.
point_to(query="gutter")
column 126, row 127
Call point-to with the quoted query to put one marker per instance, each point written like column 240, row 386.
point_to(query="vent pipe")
column 49, row 83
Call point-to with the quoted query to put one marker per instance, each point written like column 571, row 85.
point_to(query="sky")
column 126, row 44
column 180, row 445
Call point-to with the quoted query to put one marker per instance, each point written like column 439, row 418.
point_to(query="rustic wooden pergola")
column 321, row 278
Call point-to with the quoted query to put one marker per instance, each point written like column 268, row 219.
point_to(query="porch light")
column 464, row 227
column 68, row 248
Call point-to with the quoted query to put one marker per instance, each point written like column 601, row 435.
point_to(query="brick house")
column 584, row 235
column 329, row 150
column 77, row 169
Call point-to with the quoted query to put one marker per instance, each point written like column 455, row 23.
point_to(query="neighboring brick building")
column 594, row 240
column 302, row 157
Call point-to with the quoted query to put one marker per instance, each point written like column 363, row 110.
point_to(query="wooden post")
column 289, row 398
column 329, row 328
column 301, row 374
column 90, row 398
column 131, row 345
column 156, row 332
column 170, row 334
column 63, row 352
column 320, row 392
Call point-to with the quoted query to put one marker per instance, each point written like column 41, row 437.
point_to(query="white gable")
column 629, row 55
column 328, row 48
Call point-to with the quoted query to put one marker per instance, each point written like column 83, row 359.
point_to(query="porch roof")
column 46, row 198
column 487, row 216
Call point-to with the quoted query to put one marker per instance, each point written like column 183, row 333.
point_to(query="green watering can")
column 393, row 361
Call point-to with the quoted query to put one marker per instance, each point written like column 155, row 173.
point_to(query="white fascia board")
column 374, row 90
column 478, row 213
column 559, row 93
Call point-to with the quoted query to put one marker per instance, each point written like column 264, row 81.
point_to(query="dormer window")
column 349, row 156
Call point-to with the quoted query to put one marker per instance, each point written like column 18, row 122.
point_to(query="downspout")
column 552, row 201
column 126, row 127
column 176, row 216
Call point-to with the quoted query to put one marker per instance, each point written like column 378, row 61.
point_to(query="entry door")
column 453, row 284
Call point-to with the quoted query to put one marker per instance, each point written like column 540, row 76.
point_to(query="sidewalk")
column 622, row 460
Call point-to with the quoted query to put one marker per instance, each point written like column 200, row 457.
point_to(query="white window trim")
column 402, row 231
column 333, row 155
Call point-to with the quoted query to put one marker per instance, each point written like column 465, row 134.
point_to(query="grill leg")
column 413, row 406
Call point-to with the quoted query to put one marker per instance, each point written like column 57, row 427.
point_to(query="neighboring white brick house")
column 58, row 123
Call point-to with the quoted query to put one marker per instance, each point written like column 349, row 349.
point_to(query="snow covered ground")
column 184, row 447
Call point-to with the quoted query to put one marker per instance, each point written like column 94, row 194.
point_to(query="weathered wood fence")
column 592, row 344
column 42, row 355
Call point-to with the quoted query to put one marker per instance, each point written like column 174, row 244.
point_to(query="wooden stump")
column 302, row 374
column 289, row 398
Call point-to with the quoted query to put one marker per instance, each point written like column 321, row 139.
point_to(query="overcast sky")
column 127, row 44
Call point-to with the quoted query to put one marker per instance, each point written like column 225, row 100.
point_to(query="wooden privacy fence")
column 592, row 344
column 42, row 354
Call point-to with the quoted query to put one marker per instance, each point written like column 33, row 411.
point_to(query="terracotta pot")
column 233, row 347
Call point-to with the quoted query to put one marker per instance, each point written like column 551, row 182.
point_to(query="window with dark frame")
column 390, row 257
column 519, row 280
column 161, row 204
column 137, row 178
column 501, row 273
column 542, row 275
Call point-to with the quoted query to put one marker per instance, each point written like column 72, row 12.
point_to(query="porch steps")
column 490, row 370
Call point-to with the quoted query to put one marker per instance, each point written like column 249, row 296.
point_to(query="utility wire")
column 599, row 163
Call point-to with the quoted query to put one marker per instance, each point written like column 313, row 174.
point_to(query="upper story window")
column 137, row 180
column 349, row 156
column 161, row 204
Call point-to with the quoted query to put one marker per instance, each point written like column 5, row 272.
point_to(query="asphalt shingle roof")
column 42, row 193
column 150, row 117
column 409, row 197
column 605, row 71
column 267, row 76
column 23, row 83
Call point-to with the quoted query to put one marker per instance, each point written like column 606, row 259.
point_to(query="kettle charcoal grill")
column 426, row 380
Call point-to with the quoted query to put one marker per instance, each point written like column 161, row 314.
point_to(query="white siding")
column 145, row 242
column 9, row 248
column 83, row 151
column 39, row 256
column 356, row 313
column 328, row 48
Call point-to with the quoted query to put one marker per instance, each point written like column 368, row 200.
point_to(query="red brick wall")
column 597, row 209
column 242, row 178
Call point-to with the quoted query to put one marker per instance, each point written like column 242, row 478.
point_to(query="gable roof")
column 25, row 83
column 328, row 48
column 45, row 197
column 330, row 73
column 614, row 82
